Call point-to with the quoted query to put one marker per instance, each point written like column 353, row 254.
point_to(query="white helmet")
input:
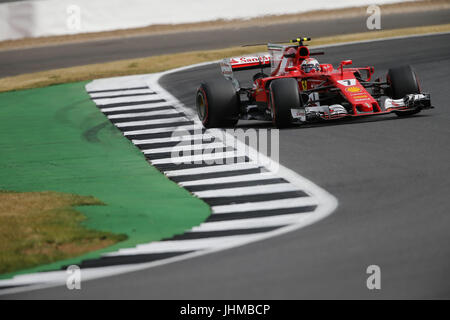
column 310, row 64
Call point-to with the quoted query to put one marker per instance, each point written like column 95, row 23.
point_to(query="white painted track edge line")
column 172, row 139
column 183, row 128
column 209, row 157
column 150, row 122
column 178, row 245
column 261, row 222
column 113, row 94
column 143, row 114
column 265, row 205
column 212, row 169
column 106, row 101
column 189, row 147
column 241, row 178
column 144, row 106
column 247, row 191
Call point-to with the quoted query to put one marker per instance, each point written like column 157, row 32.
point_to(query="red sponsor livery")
column 247, row 62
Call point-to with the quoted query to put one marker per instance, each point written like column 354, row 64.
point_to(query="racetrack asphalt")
column 21, row 61
column 390, row 176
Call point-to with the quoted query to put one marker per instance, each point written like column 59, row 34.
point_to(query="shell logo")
column 353, row 89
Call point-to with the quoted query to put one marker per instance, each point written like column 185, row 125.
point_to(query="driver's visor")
column 308, row 67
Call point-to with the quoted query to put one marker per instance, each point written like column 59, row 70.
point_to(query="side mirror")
column 346, row 62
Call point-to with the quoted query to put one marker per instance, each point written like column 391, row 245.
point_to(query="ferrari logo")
column 304, row 84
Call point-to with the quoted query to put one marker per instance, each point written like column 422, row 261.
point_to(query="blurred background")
column 38, row 18
column 47, row 34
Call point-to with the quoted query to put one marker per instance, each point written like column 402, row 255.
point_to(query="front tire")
column 403, row 81
column 218, row 104
column 284, row 97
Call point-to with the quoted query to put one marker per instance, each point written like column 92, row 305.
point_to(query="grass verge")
column 170, row 61
column 43, row 227
column 56, row 139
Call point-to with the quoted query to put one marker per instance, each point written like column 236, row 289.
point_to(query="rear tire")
column 403, row 81
column 218, row 104
column 284, row 96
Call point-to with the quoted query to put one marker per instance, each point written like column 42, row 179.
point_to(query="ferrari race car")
column 300, row 90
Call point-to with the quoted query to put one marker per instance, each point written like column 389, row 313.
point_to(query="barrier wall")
column 60, row 17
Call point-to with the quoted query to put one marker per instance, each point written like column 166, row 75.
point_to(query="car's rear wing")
column 250, row 62
column 229, row 65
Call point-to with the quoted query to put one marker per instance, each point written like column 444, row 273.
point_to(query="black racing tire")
column 218, row 104
column 403, row 81
column 284, row 96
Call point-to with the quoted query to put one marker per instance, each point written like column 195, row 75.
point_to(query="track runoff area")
column 252, row 197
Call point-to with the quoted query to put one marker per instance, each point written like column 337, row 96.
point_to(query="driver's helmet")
column 310, row 64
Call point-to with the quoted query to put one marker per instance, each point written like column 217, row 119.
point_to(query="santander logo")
column 244, row 60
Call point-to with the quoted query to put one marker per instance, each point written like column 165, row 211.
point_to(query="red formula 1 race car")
column 300, row 90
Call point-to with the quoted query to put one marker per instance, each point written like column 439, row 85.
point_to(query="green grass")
column 56, row 139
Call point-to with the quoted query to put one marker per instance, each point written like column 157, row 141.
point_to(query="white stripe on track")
column 117, row 83
column 197, row 146
column 120, row 93
column 101, row 102
column 204, row 137
column 138, row 107
column 244, row 191
column 265, row 205
column 207, row 157
column 180, row 245
column 272, row 221
column 240, row 178
column 144, row 114
column 150, row 122
column 183, row 128
column 212, row 169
